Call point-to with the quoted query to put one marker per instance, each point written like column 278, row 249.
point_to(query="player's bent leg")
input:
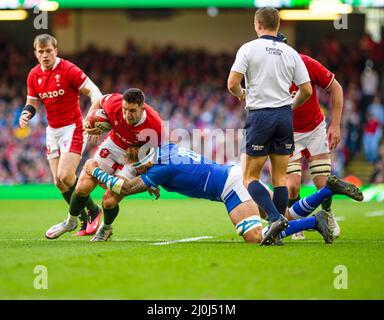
column 85, row 185
column 294, row 183
column 251, row 173
column 53, row 165
column 66, row 171
column 111, row 199
column 247, row 221
column 320, row 168
column 68, row 164
column 320, row 181
column 251, row 167
column 80, row 201
column 319, row 222
column 58, row 229
column 77, row 205
column 111, row 209
column 279, row 164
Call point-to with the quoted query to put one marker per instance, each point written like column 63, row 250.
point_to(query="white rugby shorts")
column 110, row 158
column 312, row 143
column 70, row 138
column 234, row 192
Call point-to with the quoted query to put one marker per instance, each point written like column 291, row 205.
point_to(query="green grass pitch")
column 132, row 266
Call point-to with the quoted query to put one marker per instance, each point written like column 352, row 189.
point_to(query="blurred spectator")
column 376, row 108
column 369, row 85
column 371, row 137
column 378, row 175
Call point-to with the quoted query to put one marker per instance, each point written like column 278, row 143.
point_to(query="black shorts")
column 269, row 131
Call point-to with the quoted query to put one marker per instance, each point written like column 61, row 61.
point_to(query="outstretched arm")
column 117, row 185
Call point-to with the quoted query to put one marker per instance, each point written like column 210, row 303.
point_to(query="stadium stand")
column 188, row 88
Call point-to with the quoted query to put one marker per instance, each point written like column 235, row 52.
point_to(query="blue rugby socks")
column 299, row 225
column 262, row 197
column 280, row 199
column 307, row 205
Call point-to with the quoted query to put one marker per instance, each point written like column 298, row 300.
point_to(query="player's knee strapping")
column 248, row 224
column 294, row 168
column 320, row 167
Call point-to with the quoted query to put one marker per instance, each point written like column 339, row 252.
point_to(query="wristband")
column 31, row 109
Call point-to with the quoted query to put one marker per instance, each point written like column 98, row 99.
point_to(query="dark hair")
column 44, row 39
column 268, row 17
column 134, row 95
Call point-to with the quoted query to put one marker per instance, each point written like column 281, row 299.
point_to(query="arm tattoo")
column 120, row 185
column 133, row 186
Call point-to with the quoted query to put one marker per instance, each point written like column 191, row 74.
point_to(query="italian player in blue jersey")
column 183, row 171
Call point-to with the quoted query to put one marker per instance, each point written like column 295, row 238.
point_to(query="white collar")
column 143, row 118
column 54, row 66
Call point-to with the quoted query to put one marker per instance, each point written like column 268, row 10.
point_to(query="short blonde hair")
column 43, row 39
column 268, row 17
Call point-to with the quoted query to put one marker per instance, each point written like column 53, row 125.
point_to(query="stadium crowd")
column 188, row 88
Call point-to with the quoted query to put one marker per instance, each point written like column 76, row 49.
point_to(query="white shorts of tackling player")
column 234, row 192
column 110, row 158
column 70, row 138
column 310, row 143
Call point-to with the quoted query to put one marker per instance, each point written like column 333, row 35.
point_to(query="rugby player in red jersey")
column 133, row 123
column 57, row 83
column 312, row 138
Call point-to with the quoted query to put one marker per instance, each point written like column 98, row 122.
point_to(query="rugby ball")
column 99, row 119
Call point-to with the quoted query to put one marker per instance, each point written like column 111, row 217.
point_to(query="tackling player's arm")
column 133, row 186
column 333, row 133
column 118, row 185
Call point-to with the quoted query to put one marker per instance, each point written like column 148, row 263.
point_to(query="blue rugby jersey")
column 181, row 170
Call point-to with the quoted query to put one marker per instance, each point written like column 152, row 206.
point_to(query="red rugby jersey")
column 308, row 116
column 124, row 134
column 58, row 89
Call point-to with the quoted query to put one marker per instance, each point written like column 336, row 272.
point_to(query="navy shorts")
column 269, row 131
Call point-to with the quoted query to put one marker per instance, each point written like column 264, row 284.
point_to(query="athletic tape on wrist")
column 113, row 183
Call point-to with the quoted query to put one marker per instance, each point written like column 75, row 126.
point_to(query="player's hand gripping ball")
column 97, row 122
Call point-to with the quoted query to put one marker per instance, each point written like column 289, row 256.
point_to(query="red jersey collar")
column 54, row 66
column 143, row 118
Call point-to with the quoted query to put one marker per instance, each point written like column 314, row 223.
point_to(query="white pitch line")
column 79, row 240
column 181, row 240
column 375, row 214
column 340, row 218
